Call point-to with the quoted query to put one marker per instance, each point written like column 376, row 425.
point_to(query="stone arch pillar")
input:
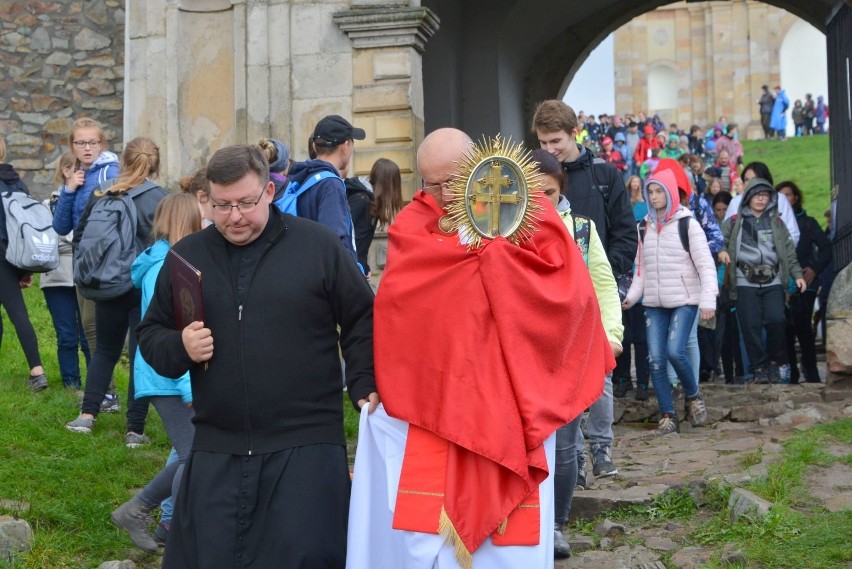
column 387, row 83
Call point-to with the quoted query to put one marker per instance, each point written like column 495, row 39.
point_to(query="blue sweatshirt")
column 70, row 206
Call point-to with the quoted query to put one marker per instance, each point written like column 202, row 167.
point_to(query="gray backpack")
column 31, row 241
column 107, row 245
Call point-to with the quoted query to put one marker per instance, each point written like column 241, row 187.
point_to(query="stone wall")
column 58, row 61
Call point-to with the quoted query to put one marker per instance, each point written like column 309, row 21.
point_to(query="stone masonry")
column 59, row 60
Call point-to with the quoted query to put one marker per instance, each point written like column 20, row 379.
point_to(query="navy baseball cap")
column 334, row 130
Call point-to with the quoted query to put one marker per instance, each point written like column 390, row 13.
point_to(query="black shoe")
column 641, row 392
column 561, row 547
column 602, row 465
column 621, row 386
column 37, row 382
column 581, row 475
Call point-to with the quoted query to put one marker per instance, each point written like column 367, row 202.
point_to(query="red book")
column 187, row 297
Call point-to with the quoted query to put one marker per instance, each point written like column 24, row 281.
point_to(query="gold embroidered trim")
column 420, row 492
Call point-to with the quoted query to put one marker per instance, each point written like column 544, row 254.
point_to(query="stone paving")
column 749, row 424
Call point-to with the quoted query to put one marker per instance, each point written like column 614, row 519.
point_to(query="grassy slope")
column 805, row 160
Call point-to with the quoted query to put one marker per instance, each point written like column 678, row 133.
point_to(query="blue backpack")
column 287, row 203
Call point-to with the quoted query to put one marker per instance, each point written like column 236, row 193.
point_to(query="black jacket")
column 360, row 199
column 11, row 182
column 274, row 381
column 814, row 247
column 596, row 190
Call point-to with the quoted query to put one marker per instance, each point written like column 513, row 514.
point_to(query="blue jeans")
column 65, row 313
column 692, row 352
column 668, row 332
column 599, row 421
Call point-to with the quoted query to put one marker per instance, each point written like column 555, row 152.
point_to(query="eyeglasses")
column 243, row 207
column 85, row 143
column 433, row 189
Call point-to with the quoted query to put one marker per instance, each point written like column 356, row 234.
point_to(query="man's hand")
column 26, row 281
column 801, row 285
column 198, row 342
column 372, row 399
column 73, row 178
column 724, row 258
column 809, row 275
column 616, row 349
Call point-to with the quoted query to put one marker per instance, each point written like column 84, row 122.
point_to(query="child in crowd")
column 115, row 317
column 196, row 185
column 649, row 165
column 675, row 285
column 12, row 280
column 761, row 256
column 61, row 297
column 177, row 216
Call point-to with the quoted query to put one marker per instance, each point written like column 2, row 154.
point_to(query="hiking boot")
column 161, row 533
column 134, row 517
column 135, row 440
column 81, row 425
column 581, row 472
column 641, row 392
column 561, row 547
column 110, row 404
column 37, row 382
column 621, row 386
column 666, row 426
column 696, row 411
column 602, row 465
column 784, row 374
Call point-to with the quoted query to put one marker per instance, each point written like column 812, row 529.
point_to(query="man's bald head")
column 437, row 156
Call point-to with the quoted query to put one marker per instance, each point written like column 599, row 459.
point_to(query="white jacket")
column 666, row 275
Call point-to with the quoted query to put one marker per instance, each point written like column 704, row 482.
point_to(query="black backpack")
column 108, row 245
column 682, row 230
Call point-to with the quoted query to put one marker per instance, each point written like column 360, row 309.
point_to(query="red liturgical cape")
column 491, row 350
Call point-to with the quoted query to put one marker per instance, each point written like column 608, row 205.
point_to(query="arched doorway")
column 802, row 74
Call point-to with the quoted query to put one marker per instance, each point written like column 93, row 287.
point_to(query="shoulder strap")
column 582, row 234
column 642, row 226
column 683, row 231
column 315, row 179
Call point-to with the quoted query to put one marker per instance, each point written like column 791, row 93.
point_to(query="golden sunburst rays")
column 494, row 174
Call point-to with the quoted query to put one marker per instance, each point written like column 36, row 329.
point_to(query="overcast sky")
column 593, row 87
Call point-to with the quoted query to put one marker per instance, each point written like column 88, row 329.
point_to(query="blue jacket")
column 325, row 202
column 147, row 382
column 70, row 206
column 704, row 214
column 778, row 119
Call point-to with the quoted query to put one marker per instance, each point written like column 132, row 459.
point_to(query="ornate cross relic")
column 491, row 193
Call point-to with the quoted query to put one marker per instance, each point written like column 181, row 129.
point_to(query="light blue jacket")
column 147, row 382
column 70, row 206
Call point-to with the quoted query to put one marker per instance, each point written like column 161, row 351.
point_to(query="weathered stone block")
column 96, row 87
column 608, row 528
column 381, row 98
column 60, row 126
column 28, row 164
column 328, row 76
column 392, row 64
column 394, row 128
column 16, row 536
column 692, row 558
column 742, row 503
column 90, row 40
column 124, row 564
column 661, row 543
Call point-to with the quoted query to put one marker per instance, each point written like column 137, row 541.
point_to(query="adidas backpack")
column 31, row 241
column 106, row 246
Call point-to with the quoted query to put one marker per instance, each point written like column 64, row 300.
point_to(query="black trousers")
column 764, row 122
column 759, row 308
column 12, row 299
column 728, row 344
column 634, row 337
column 287, row 509
column 114, row 318
column 799, row 325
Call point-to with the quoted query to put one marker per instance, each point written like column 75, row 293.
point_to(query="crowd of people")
column 683, row 262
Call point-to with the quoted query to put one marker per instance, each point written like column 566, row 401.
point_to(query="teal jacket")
column 147, row 382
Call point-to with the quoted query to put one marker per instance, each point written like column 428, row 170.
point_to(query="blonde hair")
column 635, row 193
column 195, row 182
column 140, row 160
column 176, row 217
column 67, row 160
column 86, row 122
column 2, row 150
column 267, row 147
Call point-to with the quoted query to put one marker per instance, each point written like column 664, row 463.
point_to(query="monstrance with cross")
column 492, row 194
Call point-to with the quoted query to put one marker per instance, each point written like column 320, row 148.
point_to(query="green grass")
column 804, row 160
column 795, row 533
column 71, row 482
